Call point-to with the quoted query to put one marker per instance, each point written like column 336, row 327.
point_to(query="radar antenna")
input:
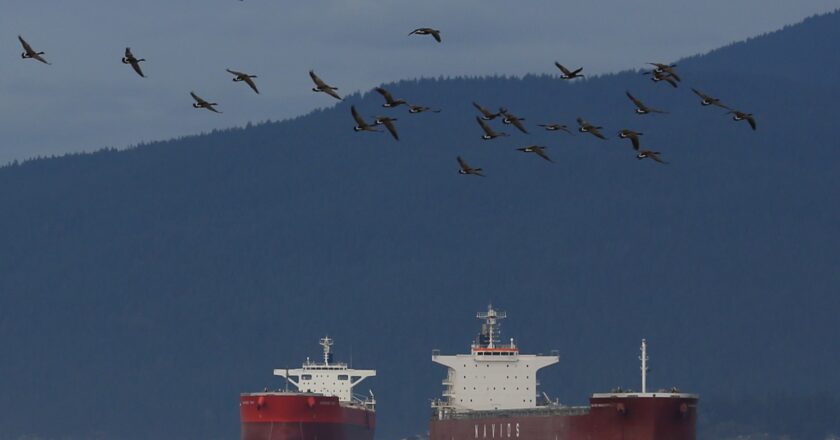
column 490, row 329
column 327, row 343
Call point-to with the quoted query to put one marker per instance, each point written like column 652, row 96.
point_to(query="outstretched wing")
column 26, row 47
column 487, row 130
column 389, row 124
column 318, row 81
column 436, row 35
column 198, row 99
column 638, row 103
column 562, row 69
column 385, row 94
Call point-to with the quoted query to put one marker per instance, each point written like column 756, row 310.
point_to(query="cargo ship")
column 491, row 393
column 323, row 406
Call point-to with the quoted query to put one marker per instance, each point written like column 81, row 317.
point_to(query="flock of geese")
column 659, row 73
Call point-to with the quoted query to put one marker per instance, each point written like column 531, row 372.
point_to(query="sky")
column 87, row 99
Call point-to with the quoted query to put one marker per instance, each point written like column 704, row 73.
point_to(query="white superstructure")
column 328, row 378
column 493, row 376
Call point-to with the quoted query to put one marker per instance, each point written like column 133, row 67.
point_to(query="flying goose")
column 641, row 108
column 488, row 132
column 740, row 116
column 510, row 118
column 201, row 103
column 466, row 169
column 586, row 127
column 427, row 31
column 361, row 125
column 647, row 154
column 485, row 114
column 389, row 124
column 708, row 100
column 129, row 58
column 556, row 127
column 28, row 52
column 241, row 76
column 666, row 68
column 420, row 109
column 662, row 76
column 569, row 74
column 321, row 86
column 536, row 149
column 389, row 99
column 632, row 135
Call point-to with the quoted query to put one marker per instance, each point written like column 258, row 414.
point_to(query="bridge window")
column 306, row 377
column 343, row 377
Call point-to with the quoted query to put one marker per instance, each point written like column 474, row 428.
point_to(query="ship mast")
column 327, row 343
column 491, row 319
column 644, row 359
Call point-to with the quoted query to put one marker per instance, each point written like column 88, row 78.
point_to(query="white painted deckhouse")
column 494, row 376
column 328, row 378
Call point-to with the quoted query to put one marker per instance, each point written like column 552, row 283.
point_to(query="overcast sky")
column 87, row 99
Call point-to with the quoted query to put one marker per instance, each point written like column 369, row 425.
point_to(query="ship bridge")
column 328, row 378
column 494, row 375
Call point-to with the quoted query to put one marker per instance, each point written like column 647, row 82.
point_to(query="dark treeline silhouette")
column 141, row 290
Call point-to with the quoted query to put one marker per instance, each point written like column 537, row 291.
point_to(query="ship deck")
column 549, row 410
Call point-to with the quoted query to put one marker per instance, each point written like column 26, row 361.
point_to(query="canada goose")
column 586, row 127
column 569, row 74
column 488, row 132
column 666, row 68
column 536, row 149
column 321, row 86
column 427, row 31
column 647, row 154
column 389, row 124
column 510, row 118
column 129, row 58
column 241, row 76
column 641, row 108
column 389, row 100
column 361, row 125
column 466, row 169
column 708, row 100
column 632, row 135
column 28, row 52
column 556, row 127
column 201, row 103
column 660, row 76
column 740, row 116
column 420, row 109
column 485, row 114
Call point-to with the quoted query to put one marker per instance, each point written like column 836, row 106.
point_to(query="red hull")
column 614, row 417
column 289, row 416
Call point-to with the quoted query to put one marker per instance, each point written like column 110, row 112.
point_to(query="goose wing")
column 389, row 124
column 518, row 124
column 385, row 94
column 487, row 130
column 26, row 47
column 562, row 68
column 435, row 34
column 638, row 103
column 198, row 99
column 359, row 121
column 248, row 80
column 318, row 81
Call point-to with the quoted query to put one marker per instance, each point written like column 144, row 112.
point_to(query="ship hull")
column 290, row 416
column 607, row 418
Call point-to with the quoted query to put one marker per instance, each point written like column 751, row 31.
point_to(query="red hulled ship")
column 323, row 407
column 491, row 393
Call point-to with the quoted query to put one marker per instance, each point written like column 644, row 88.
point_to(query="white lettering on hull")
column 505, row 431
